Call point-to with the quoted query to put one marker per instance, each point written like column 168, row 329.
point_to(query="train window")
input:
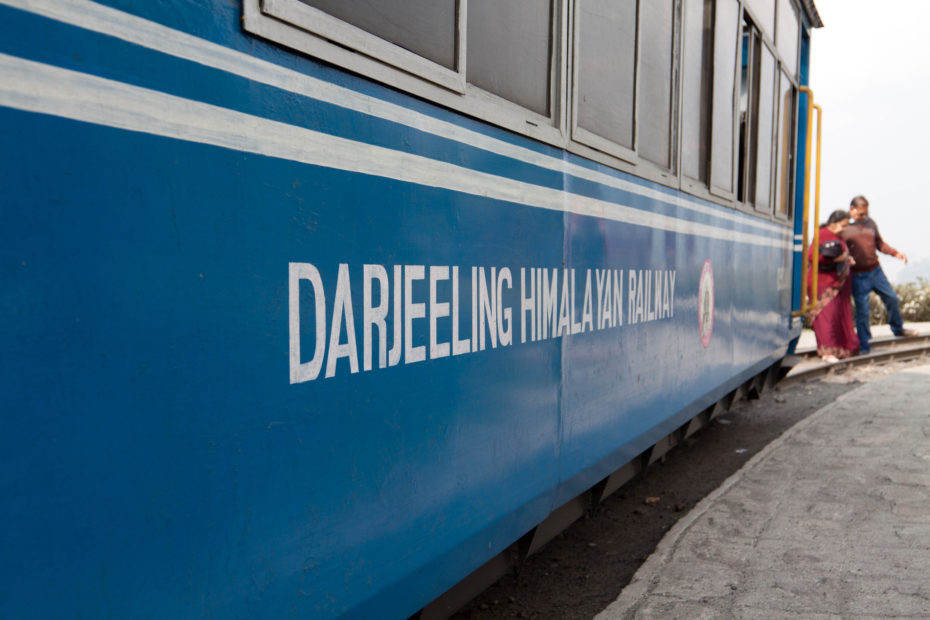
column 726, row 33
column 505, row 62
column 766, row 110
column 748, row 114
column 425, row 27
column 605, row 70
column 697, row 71
column 493, row 60
column 509, row 50
column 786, row 34
column 756, row 119
column 654, row 86
column 787, row 115
column 419, row 37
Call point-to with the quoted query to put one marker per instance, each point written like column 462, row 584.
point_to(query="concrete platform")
column 808, row 341
column 831, row 520
column 879, row 333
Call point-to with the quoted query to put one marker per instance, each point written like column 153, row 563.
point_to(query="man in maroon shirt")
column 864, row 242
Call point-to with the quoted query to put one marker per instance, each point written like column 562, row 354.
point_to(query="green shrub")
column 914, row 298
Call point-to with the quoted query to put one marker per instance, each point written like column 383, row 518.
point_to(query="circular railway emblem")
column 706, row 303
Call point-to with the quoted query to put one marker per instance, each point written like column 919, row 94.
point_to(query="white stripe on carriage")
column 139, row 31
column 45, row 89
column 798, row 247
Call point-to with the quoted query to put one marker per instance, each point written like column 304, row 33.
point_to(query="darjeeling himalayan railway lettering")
column 552, row 303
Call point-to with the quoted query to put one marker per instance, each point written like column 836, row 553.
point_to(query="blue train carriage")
column 314, row 308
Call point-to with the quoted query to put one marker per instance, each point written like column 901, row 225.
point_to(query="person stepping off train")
column 864, row 242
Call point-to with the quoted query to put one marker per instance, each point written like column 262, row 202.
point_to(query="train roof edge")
column 813, row 15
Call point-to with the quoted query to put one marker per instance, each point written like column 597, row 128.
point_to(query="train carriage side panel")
column 202, row 234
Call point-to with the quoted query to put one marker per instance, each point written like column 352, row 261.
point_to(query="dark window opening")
column 509, row 50
column 787, row 130
column 654, row 83
column 424, row 27
column 697, row 87
column 748, row 112
column 605, row 62
column 726, row 40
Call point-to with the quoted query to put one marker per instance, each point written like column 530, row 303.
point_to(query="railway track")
column 884, row 350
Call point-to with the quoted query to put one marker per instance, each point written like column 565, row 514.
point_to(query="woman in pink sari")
column 831, row 318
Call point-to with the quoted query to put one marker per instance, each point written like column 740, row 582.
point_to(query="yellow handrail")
column 808, row 301
column 815, row 260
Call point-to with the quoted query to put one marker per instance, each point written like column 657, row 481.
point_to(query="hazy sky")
column 870, row 70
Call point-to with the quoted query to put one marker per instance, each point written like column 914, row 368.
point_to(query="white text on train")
column 411, row 313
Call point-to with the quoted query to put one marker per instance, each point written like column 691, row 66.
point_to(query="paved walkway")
column 831, row 520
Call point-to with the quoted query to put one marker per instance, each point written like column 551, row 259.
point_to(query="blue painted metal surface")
column 158, row 461
column 802, row 164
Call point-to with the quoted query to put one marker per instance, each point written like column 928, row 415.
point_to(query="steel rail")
column 901, row 349
column 878, row 344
